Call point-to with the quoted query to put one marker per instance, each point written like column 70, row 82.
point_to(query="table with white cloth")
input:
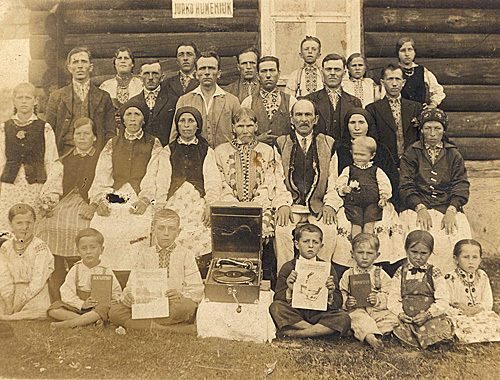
column 252, row 324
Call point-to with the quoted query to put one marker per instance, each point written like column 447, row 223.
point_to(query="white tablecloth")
column 253, row 324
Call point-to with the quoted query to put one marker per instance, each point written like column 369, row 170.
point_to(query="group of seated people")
column 114, row 163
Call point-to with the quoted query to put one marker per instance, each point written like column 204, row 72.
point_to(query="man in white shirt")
column 216, row 106
column 185, row 287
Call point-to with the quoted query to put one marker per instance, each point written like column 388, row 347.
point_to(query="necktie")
column 185, row 82
column 304, row 145
column 164, row 258
column 396, row 113
column 150, row 100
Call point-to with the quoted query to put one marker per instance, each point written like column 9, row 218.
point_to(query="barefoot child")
column 419, row 296
column 471, row 297
column 368, row 322
column 364, row 187
column 305, row 323
column 25, row 266
column 77, row 307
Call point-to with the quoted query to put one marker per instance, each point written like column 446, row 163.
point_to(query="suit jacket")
column 101, row 111
column 217, row 124
column 322, row 101
column 162, row 116
column 173, row 86
column 236, row 89
column 386, row 126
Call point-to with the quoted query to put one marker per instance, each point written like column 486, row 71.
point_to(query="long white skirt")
column 442, row 257
column 389, row 230
column 126, row 235
column 189, row 205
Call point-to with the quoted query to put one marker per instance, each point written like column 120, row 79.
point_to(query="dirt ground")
column 483, row 209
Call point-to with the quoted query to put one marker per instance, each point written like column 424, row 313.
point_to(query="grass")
column 36, row 351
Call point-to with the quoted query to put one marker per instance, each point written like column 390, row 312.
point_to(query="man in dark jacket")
column 332, row 102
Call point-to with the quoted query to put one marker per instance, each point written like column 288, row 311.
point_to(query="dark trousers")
column 62, row 265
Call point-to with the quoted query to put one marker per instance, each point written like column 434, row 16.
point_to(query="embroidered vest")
column 28, row 151
column 323, row 145
column 188, row 163
column 414, row 88
column 130, row 160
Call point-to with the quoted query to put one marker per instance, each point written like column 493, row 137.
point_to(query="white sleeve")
column 156, row 182
column 293, row 82
column 331, row 197
column 212, row 178
column 281, row 195
column 69, row 290
column 342, row 180
column 103, row 181
column 436, row 91
column 384, row 184
column 394, row 300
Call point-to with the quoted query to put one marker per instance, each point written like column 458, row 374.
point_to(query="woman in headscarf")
column 188, row 181
column 358, row 123
column 434, row 188
column 117, row 194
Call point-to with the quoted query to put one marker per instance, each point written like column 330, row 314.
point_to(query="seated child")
column 364, row 187
column 305, row 323
column 77, row 307
column 419, row 296
column 185, row 287
column 308, row 78
column 471, row 297
column 25, row 266
column 368, row 322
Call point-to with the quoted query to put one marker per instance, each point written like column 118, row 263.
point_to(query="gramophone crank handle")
column 233, row 291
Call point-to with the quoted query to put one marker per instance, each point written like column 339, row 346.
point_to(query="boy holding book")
column 304, row 323
column 80, row 304
column 365, row 288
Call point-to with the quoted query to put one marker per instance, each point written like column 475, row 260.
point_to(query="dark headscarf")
column 140, row 105
column 346, row 137
column 193, row 111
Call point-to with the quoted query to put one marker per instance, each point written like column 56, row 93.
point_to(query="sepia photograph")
column 261, row 189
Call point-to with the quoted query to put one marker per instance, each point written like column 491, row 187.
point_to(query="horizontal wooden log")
column 450, row 70
column 474, row 124
column 491, row 4
column 431, row 20
column 162, row 45
column 471, row 98
column 435, row 45
column 103, row 69
column 478, row 148
column 44, row 5
column 155, row 21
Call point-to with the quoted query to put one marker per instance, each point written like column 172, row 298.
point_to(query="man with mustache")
column 160, row 102
column 310, row 171
column 248, row 83
column 332, row 102
column 216, row 106
column 80, row 99
column 271, row 106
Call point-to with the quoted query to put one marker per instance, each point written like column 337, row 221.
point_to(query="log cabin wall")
column 145, row 26
column 458, row 40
